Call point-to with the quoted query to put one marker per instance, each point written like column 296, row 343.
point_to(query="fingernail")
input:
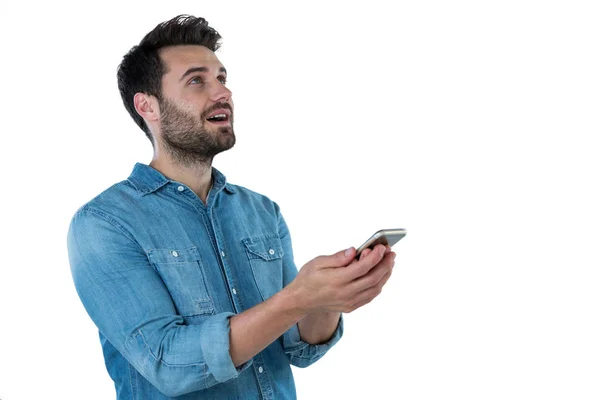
column 348, row 252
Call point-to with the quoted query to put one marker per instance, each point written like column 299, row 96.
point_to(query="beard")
column 190, row 139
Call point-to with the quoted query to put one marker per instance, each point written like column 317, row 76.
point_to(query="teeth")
column 219, row 116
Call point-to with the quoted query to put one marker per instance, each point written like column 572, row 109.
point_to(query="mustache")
column 217, row 106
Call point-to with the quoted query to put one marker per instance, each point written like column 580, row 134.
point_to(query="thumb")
column 342, row 258
column 339, row 259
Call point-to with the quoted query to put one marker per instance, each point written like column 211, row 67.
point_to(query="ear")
column 146, row 106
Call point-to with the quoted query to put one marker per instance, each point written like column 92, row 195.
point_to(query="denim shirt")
column 160, row 273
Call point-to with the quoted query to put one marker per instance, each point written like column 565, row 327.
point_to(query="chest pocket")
column 181, row 271
column 265, row 257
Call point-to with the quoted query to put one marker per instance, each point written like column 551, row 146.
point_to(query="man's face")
column 196, row 120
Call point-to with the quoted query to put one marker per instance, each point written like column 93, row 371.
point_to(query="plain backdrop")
column 472, row 124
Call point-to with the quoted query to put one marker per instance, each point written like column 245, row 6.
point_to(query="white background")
column 472, row 124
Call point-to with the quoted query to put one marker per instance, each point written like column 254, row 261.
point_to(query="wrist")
column 293, row 301
column 319, row 327
column 329, row 316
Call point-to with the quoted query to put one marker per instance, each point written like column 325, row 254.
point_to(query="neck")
column 197, row 176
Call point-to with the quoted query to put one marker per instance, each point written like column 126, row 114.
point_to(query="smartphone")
column 383, row 236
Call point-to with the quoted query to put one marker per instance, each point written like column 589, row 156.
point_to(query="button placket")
column 227, row 274
column 263, row 378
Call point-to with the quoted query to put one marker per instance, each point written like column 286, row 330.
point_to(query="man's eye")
column 223, row 80
column 196, row 80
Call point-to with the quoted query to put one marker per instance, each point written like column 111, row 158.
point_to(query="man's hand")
column 324, row 287
column 339, row 283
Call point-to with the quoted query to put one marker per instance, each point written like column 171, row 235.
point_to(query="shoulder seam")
column 111, row 220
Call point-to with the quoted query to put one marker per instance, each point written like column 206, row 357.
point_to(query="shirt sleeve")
column 127, row 300
column 300, row 353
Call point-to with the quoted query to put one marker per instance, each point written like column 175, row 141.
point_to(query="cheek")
column 194, row 106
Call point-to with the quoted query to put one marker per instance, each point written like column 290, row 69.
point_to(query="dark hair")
column 142, row 69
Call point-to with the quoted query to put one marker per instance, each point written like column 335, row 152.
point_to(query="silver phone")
column 383, row 236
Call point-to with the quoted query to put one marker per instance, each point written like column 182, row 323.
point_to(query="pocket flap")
column 267, row 248
column 159, row 256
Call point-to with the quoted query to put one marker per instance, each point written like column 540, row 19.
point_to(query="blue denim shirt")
column 160, row 273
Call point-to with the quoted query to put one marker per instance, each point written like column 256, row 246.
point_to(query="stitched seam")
column 205, row 375
column 258, row 239
column 313, row 358
column 230, row 276
column 110, row 219
column 271, row 239
column 131, row 385
column 158, row 186
column 189, row 254
column 193, row 203
column 144, row 189
column 297, row 348
column 200, row 364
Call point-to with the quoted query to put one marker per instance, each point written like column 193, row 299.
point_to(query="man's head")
column 173, row 86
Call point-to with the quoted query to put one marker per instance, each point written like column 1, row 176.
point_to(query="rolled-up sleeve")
column 129, row 303
column 215, row 347
column 300, row 353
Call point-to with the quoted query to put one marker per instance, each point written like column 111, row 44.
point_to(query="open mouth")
column 219, row 117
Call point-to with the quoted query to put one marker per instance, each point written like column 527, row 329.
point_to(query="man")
column 190, row 279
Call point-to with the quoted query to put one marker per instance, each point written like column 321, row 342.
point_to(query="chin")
column 229, row 143
column 226, row 135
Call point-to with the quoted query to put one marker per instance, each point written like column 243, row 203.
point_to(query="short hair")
column 141, row 69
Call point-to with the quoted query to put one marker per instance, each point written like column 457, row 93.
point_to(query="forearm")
column 256, row 328
column 318, row 327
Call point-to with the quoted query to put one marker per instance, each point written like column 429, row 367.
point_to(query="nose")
column 220, row 92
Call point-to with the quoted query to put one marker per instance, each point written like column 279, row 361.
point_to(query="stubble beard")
column 187, row 138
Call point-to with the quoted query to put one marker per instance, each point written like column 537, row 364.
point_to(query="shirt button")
column 260, row 369
column 234, row 291
column 174, row 253
column 271, row 251
column 180, row 188
column 223, row 253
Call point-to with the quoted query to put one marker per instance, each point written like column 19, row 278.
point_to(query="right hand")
column 339, row 283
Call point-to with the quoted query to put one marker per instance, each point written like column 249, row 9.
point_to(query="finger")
column 392, row 255
column 367, row 295
column 374, row 276
column 364, row 253
column 385, row 279
column 364, row 265
column 365, row 298
column 339, row 259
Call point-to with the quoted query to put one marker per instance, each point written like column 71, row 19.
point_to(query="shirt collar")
column 147, row 180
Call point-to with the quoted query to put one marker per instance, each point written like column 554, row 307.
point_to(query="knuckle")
column 370, row 267
column 370, row 281
column 364, row 267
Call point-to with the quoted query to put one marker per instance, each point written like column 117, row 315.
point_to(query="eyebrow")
column 199, row 69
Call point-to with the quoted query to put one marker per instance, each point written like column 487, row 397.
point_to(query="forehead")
column 178, row 59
